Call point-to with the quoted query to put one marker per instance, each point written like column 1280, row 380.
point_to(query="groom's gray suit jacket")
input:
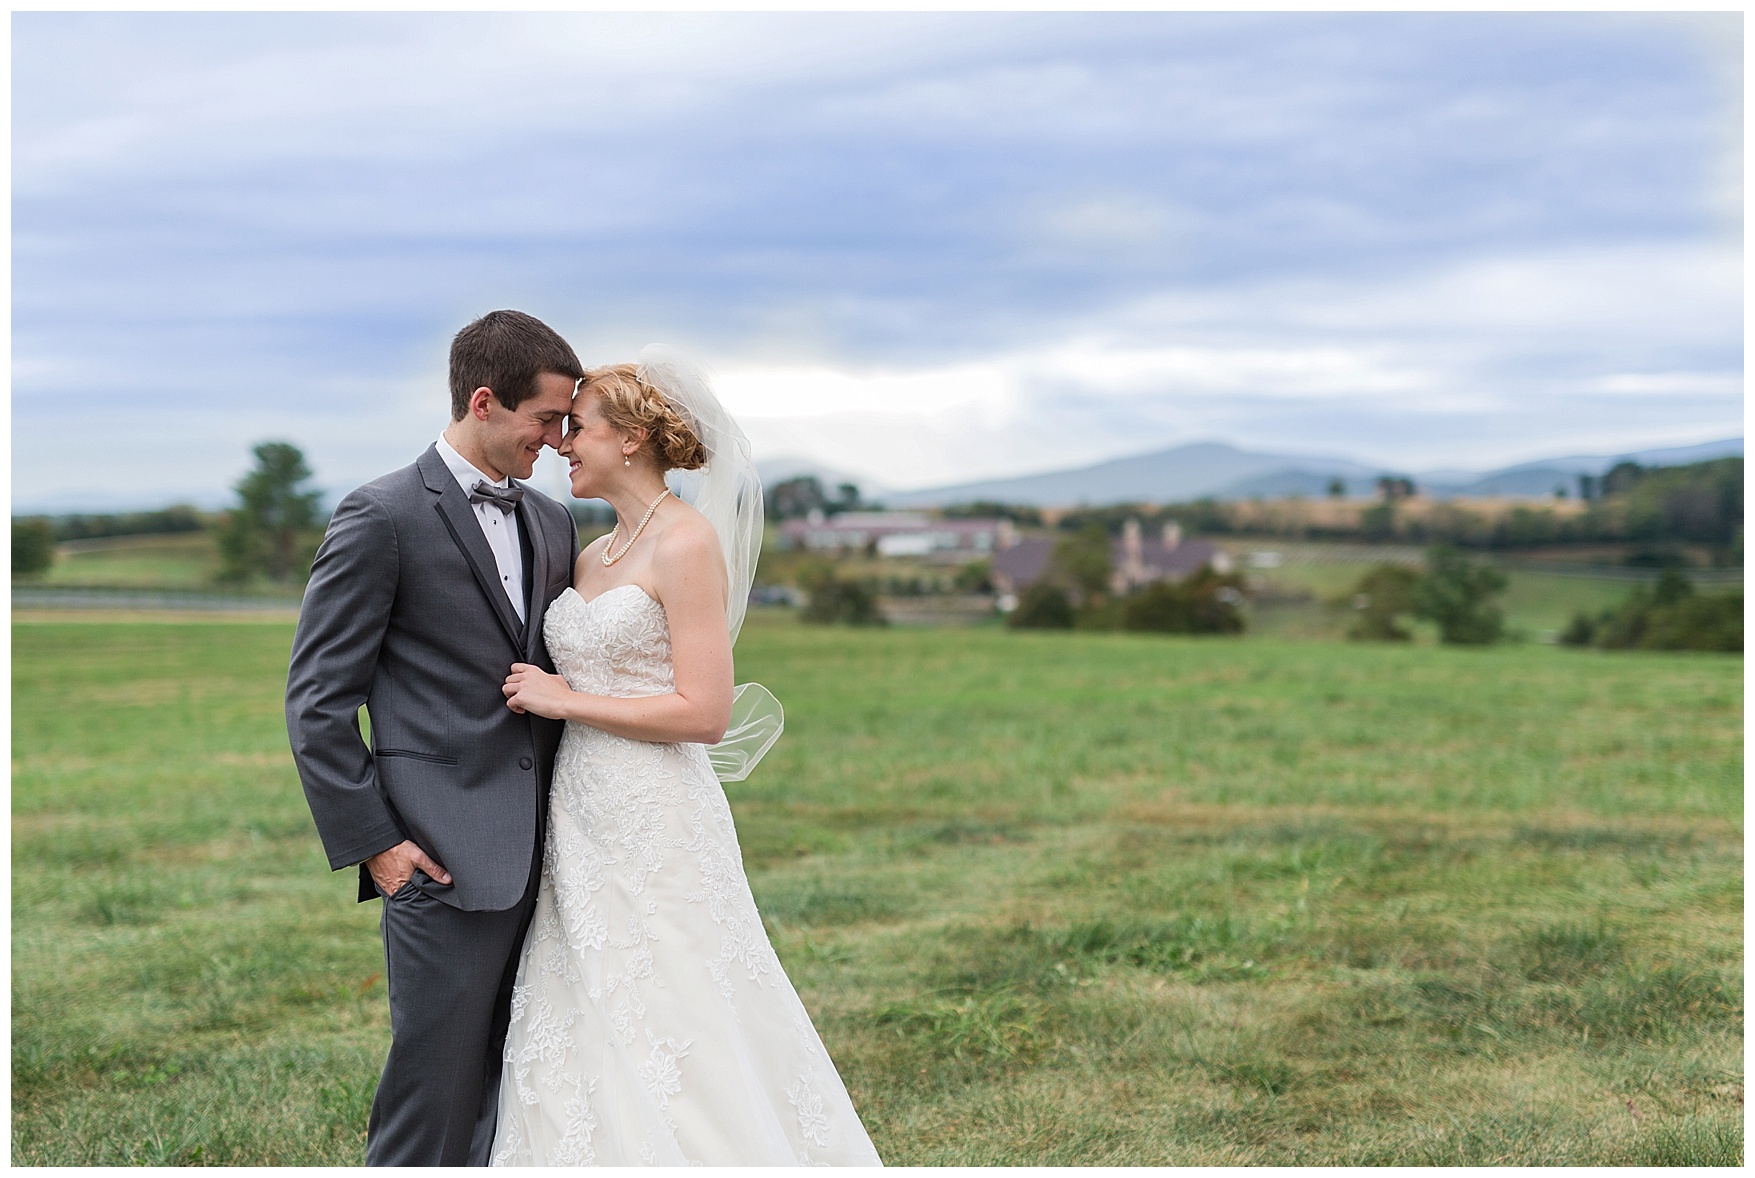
column 405, row 614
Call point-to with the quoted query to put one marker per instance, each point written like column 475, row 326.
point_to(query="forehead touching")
column 552, row 397
column 587, row 404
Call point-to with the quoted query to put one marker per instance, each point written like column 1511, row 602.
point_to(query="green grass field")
column 182, row 561
column 1537, row 605
column 1052, row 899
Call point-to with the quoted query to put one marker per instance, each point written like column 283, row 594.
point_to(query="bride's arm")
column 689, row 580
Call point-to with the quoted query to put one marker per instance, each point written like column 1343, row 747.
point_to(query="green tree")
column 1395, row 488
column 1381, row 598
column 33, row 547
column 1621, row 478
column 1082, row 561
column 795, row 498
column 847, row 499
column 269, row 530
column 1455, row 593
column 1043, row 605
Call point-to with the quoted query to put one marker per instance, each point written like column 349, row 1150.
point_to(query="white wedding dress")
column 651, row 1021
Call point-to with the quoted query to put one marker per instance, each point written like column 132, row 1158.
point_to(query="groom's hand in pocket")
column 393, row 868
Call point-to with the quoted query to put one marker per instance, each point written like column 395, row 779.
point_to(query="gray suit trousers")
column 450, row 976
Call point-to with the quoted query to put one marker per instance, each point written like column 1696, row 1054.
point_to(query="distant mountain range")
column 1214, row 469
column 778, row 470
column 1223, row 471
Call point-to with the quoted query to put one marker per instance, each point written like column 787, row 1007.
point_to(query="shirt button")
column 524, row 762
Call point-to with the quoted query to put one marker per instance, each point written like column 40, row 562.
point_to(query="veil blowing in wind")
column 728, row 492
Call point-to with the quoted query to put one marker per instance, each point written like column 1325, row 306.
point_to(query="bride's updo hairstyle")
column 630, row 404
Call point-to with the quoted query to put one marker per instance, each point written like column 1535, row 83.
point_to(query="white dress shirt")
column 500, row 527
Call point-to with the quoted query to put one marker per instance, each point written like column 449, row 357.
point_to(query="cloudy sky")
column 919, row 248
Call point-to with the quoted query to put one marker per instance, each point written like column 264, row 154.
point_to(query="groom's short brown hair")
column 506, row 351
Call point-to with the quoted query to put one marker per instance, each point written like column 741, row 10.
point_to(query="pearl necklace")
column 613, row 532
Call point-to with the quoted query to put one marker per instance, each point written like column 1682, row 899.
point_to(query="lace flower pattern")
column 651, row 1021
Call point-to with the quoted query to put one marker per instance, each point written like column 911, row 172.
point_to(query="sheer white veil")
column 728, row 492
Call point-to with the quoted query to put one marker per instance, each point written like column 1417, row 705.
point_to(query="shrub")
column 835, row 600
column 1381, row 597
column 975, row 577
column 1579, row 631
column 1454, row 593
column 1205, row 603
column 1042, row 606
column 1669, row 616
column 1698, row 623
column 33, row 547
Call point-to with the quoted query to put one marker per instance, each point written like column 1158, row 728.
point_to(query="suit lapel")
column 536, row 592
column 453, row 507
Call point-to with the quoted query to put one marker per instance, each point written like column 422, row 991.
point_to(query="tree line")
column 1698, row 503
column 271, row 534
column 34, row 537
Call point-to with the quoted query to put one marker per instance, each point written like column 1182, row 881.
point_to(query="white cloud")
column 1724, row 385
column 820, row 390
column 926, row 247
column 1536, row 342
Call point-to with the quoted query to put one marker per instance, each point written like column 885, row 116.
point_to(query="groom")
column 430, row 583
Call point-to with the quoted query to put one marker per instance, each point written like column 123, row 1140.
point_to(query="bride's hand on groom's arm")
column 531, row 689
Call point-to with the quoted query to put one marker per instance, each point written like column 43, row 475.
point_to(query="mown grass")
column 1051, row 898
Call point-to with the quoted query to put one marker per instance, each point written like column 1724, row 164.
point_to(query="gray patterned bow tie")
column 504, row 498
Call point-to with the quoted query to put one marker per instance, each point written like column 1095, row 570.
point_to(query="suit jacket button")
column 525, row 762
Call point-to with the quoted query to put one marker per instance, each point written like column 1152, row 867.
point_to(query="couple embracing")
column 577, row 971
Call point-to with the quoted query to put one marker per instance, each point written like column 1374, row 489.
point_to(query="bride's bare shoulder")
column 687, row 536
column 688, row 547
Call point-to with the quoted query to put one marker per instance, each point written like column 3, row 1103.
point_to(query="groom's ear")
column 481, row 402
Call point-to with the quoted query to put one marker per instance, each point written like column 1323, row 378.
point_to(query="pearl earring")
column 626, row 461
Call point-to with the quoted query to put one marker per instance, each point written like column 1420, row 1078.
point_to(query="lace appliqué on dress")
column 651, row 1020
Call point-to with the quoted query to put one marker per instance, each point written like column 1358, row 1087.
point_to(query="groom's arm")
column 341, row 626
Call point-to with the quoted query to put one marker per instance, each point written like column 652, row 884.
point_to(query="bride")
column 651, row 1022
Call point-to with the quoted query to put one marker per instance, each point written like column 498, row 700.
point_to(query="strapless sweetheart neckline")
column 583, row 600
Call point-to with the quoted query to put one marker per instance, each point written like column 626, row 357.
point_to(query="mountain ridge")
column 1222, row 471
